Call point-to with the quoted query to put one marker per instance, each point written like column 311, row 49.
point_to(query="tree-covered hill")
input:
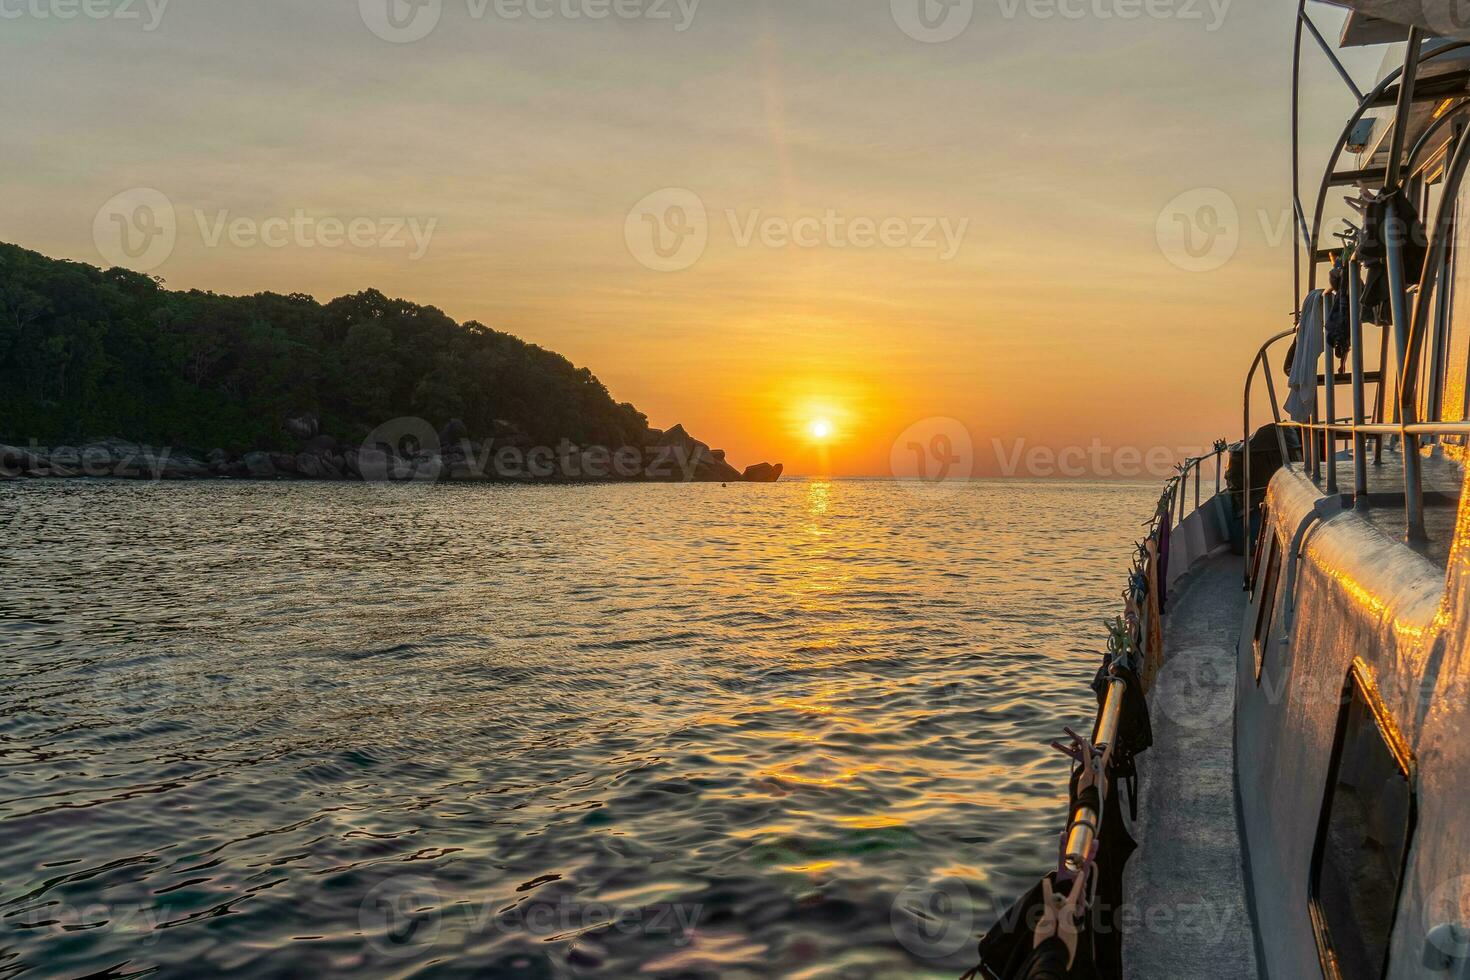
column 86, row 352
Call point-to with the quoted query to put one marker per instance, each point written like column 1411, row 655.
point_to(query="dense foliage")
column 88, row 353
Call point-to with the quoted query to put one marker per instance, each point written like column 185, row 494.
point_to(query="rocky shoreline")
column 408, row 450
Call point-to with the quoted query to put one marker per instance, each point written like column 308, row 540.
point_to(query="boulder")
column 377, row 466
column 461, row 469
column 710, row 470
column 763, row 473
column 99, row 458
column 17, row 462
column 427, row 467
column 178, row 466
column 453, row 433
column 260, row 466
column 685, row 457
column 322, row 445
column 312, row 467
column 679, row 439
column 303, row 426
column 134, row 465
column 285, row 463
column 67, row 456
column 115, row 446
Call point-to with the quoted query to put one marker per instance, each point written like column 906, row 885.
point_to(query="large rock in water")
column 17, row 462
column 312, row 467
column 695, row 460
column 178, row 466
column 259, row 466
column 677, row 438
column 763, row 473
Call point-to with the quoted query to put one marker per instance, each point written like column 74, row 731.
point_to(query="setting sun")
column 821, row 430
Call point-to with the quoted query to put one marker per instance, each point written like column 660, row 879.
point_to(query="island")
column 110, row 374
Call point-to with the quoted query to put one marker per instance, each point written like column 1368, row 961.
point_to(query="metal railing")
column 1411, row 305
column 1410, row 328
column 1085, row 825
column 1144, row 633
column 1195, row 465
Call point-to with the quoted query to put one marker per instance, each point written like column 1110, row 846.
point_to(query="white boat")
column 1305, row 804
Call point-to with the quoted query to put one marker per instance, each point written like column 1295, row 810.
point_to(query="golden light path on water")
column 335, row 728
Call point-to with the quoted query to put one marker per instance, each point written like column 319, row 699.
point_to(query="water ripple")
column 284, row 729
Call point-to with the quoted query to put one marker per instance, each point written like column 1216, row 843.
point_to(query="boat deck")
column 1442, row 478
column 1187, row 881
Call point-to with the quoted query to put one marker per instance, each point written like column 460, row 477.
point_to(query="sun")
column 820, row 429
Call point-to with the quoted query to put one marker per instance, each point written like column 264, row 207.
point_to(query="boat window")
column 1266, row 610
column 1363, row 838
column 1262, row 540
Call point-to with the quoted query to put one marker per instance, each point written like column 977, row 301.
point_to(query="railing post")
column 1264, row 362
column 1407, row 81
column 1271, row 393
column 1329, row 372
column 1245, row 459
column 1296, row 189
column 1309, row 444
column 1380, row 403
column 1360, row 441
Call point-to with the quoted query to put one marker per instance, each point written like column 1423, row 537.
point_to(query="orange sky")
column 894, row 233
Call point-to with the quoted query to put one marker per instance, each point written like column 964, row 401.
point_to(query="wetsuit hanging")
column 1009, row 950
column 1390, row 216
column 1339, row 328
column 1105, row 914
column 1165, row 519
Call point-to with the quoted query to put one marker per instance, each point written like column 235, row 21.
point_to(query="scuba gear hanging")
column 1390, row 217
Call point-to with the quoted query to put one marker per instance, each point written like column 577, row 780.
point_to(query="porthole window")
column 1266, row 610
column 1363, row 839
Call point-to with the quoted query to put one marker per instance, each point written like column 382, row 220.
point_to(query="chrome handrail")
column 1085, row 824
column 1195, row 464
column 1410, row 326
column 1364, row 104
column 1260, row 360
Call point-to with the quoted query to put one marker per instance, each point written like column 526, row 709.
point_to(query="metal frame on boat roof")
column 1400, row 88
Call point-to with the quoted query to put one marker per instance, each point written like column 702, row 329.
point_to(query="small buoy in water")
column 724, row 485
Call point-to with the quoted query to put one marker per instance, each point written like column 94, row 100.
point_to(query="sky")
column 951, row 230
